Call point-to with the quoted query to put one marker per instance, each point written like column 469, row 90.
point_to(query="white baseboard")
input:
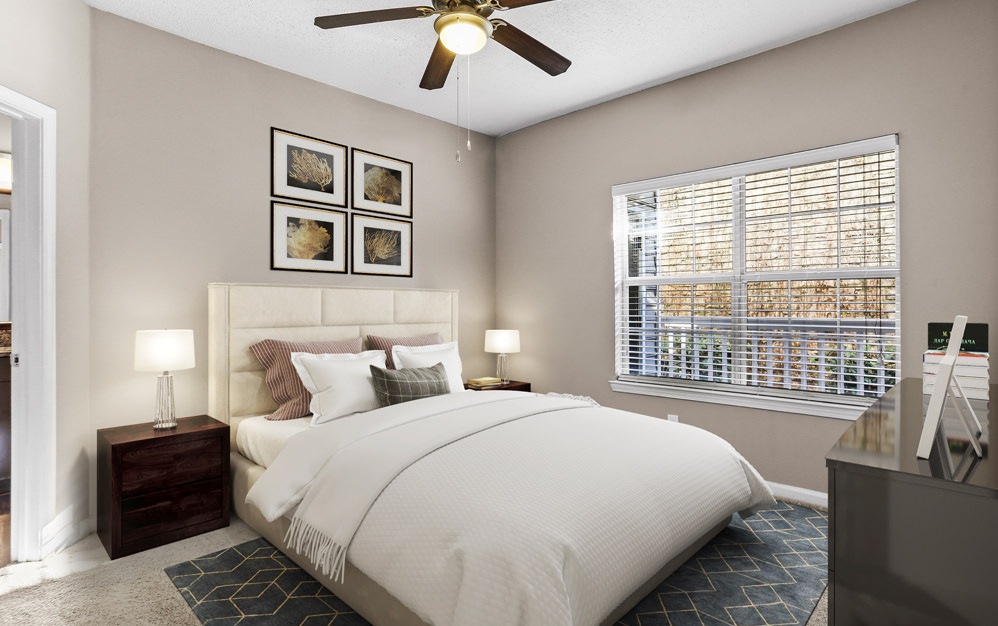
column 65, row 530
column 799, row 494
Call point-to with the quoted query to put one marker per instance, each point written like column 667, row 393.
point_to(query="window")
column 775, row 278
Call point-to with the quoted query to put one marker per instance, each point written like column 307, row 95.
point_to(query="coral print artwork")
column 310, row 239
column 382, row 247
column 382, row 184
column 310, row 170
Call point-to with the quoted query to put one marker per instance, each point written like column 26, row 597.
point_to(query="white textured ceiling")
column 616, row 46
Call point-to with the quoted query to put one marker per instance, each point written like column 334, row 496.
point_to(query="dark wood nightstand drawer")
column 175, row 463
column 162, row 511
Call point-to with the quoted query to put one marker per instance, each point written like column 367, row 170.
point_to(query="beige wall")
column 928, row 71
column 181, row 198
column 45, row 55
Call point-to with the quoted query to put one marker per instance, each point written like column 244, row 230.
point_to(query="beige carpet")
column 132, row 590
column 135, row 591
column 820, row 615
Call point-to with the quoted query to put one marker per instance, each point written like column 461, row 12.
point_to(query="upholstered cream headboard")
column 240, row 315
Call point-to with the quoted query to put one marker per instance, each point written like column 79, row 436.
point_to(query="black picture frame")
column 307, row 168
column 381, row 184
column 381, row 246
column 307, row 239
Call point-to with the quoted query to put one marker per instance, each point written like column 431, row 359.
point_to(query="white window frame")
column 822, row 405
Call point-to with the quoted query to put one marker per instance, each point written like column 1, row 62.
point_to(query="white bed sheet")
column 260, row 440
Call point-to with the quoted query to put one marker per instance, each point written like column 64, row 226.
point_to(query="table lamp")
column 502, row 342
column 164, row 351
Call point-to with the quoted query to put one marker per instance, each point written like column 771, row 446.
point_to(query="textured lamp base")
column 501, row 369
column 166, row 416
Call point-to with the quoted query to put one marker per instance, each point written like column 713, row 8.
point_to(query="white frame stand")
column 948, row 387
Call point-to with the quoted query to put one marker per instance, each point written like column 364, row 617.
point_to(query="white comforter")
column 549, row 519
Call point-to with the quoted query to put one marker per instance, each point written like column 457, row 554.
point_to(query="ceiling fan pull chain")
column 457, row 114
column 468, row 103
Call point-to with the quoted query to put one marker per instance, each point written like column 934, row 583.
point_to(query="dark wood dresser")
column 912, row 542
column 157, row 486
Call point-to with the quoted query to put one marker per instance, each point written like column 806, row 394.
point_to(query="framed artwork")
column 381, row 246
column 948, row 387
column 381, row 184
column 307, row 239
column 306, row 168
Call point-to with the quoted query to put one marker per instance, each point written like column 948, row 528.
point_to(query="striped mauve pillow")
column 285, row 387
column 375, row 342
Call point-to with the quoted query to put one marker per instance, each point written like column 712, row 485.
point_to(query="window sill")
column 843, row 411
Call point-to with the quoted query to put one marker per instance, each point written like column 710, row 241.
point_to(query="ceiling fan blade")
column 438, row 68
column 529, row 48
column 371, row 17
column 516, row 4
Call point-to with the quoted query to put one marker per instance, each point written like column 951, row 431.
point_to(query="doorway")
column 32, row 302
column 5, row 204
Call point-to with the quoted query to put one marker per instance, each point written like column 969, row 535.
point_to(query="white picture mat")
column 362, row 158
column 280, row 141
column 279, row 232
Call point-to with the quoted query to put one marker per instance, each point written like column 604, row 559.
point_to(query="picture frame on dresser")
column 381, row 184
column 307, row 168
column 381, row 246
column 948, row 387
column 307, row 239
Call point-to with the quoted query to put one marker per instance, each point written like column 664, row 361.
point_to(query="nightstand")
column 158, row 486
column 513, row 385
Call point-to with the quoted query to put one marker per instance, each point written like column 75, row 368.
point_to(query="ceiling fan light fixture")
column 463, row 33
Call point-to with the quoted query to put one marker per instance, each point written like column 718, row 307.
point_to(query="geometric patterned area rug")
column 766, row 570
column 254, row 584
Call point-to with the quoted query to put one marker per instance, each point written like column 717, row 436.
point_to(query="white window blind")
column 777, row 276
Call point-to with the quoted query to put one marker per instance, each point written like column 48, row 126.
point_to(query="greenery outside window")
column 776, row 279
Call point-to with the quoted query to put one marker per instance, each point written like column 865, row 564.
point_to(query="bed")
column 390, row 578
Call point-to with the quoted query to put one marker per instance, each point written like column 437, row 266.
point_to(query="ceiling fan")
column 463, row 27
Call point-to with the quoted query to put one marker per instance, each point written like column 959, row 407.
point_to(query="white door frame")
column 32, row 313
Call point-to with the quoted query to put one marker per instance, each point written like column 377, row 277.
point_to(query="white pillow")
column 340, row 384
column 428, row 356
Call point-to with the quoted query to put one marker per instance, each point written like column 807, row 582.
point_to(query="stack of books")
column 971, row 371
column 486, row 382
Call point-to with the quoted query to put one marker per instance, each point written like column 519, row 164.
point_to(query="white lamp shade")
column 164, row 350
column 502, row 341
